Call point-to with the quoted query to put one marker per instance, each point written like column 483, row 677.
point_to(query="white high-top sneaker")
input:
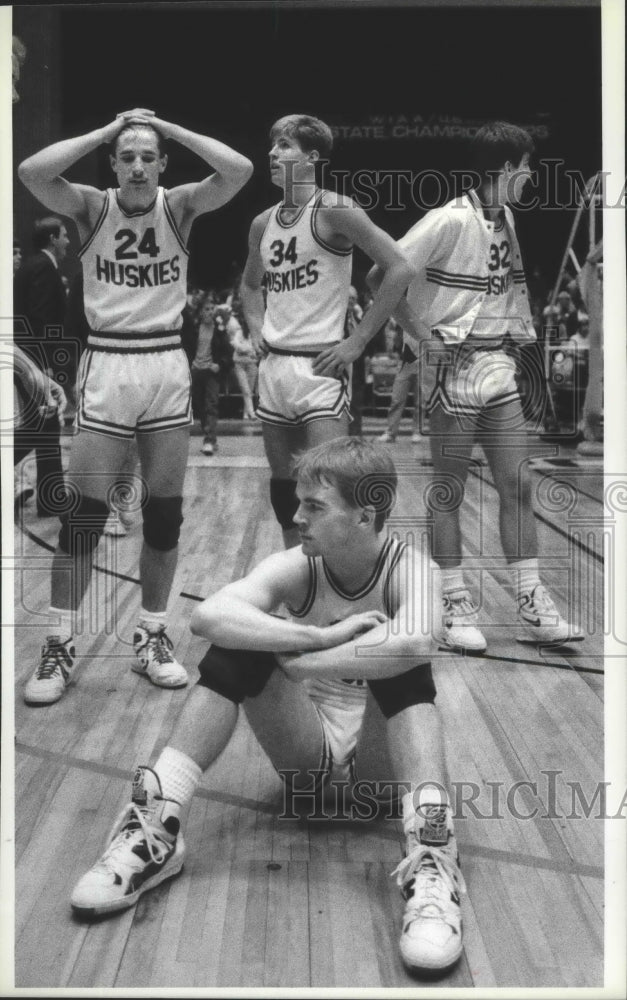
column 145, row 847
column 431, row 883
column 460, row 624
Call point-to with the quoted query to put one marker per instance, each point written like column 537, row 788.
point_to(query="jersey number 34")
column 281, row 252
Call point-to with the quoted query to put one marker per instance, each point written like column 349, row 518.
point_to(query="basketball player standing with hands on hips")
column 134, row 377
column 468, row 306
column 300, row 252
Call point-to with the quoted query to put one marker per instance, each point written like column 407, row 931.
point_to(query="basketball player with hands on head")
column 356, row 632
column 134, row 377
column 300, row 255
column 463, row 315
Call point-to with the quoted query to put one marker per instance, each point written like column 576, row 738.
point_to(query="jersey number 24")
column 147, row 244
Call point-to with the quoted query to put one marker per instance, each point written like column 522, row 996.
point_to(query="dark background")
column 231, row 72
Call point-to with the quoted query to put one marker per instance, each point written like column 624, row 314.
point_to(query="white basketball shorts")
column 291, row 395
column 121, row 395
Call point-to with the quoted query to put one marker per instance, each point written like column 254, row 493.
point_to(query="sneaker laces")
column 160, row 646
column 540, row 601
column 54, row 656
column 132, row 826
column 437, row 875
column 458, row 606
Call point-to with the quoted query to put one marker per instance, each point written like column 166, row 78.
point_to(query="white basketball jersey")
column 498, row 305
column 306, row 282
column 326, row 603
column 135, row 269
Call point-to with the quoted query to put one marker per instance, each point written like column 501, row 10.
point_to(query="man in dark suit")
column 39, row 303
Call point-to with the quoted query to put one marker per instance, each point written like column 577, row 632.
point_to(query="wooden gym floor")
column 265, row 901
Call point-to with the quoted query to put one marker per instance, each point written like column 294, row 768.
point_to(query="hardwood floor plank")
column 265, row 901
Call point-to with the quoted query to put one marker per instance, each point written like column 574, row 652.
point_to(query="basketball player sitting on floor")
column 465, row 311
column 134, row 376
column 300, row 253
column 357, row 635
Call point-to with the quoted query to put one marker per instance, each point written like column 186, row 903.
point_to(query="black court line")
column 117, row 772
column 194, row 597
column 565, row 482
column 532, row 663
column 550, row 524
column 560, row 531
column 101, row 569
column 132, row 579
column 37, row 540
column 482, row 463
column 568, row 867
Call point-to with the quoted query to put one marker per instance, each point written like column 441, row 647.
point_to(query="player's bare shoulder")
column 258, row 226
column 334, row 200
column 290, row 565
column 94, row 200
column 284, row 576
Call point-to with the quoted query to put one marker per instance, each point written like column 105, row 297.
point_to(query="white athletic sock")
column 452, row 580
column 525, row 576
column 61, row 623
column 151, row 620
column 178, row 774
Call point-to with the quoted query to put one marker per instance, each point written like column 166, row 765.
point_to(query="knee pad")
column 235, row 674
column 415, row 687
column 81, row 528
column 284, row 501
column 163, row 517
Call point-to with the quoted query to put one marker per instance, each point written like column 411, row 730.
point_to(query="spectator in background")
column 567, row 315
column 580, row 339
column 407, row 380
column 578, row 347
column 245, row 359
column 560, row 319
column 36, row 399
column 537, row 289
column 212, row 360
column 39, row 302
column 17, row 256
column 574, row 291
column 189, row 329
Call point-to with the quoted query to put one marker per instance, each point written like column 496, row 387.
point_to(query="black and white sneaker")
column 154, row 658
column 52, row 676
column 541, row 621
column 460, row 624
column 431, row 883
column 145, row 848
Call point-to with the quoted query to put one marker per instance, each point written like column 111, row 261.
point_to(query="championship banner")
column 427, row 126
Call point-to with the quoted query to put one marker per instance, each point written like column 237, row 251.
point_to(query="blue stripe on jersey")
column 402, row 546
column 173, row 225
column 140, row 211
column 318, row 238
column 311, row 592
column 368, row 586
column 295, row 220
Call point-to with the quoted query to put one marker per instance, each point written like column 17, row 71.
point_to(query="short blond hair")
column 310, row 133
column 361, row 471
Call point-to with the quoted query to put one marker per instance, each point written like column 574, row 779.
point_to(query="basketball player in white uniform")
column 134, row 378
column 358, row 617
column 300, row 260
column 468, row 307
